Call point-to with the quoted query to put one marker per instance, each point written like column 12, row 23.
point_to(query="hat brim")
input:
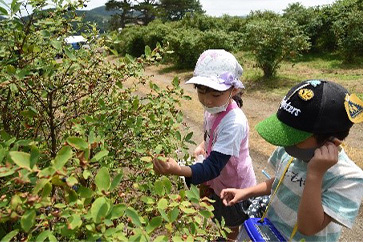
column 205, row 81
column 280, row 134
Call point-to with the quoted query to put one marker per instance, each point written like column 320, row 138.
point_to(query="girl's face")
column 213, row 98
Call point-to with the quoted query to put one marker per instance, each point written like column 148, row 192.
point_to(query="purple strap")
column 217, row 120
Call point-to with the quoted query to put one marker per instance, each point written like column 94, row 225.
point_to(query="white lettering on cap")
column 289, row 108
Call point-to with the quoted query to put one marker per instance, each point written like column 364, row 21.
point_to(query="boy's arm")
column 311, row 215
column 231, row 196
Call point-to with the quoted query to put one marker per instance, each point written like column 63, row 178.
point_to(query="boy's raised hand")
column 324, row 158
column 166, row 167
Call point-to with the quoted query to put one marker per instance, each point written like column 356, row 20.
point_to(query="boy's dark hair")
column 206, row 89
column 322, row 138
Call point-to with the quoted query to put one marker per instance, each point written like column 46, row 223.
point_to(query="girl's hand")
column 324, row 158
column 231, row 196
column 166, row 167
column 199, row 150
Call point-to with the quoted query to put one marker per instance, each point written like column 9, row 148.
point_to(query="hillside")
column 98, row 15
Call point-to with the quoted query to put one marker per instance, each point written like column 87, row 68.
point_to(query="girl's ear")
column 235, row 91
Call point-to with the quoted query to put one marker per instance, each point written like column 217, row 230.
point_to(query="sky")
column 238, row 7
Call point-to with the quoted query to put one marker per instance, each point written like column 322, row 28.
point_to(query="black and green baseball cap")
column 310, row 107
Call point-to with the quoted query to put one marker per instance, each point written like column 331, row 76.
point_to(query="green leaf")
column 85, row 192
column 193, row 194
column 167, row 184
column 70, row 54
column 2, row 154
column 15, row 6
column 163, row 214
column 132, row 213
column 153, row 224
column 21, row 159
column 44, row 235
column 102, row 179
column 173, row 214
column 188, row 137
column 161, row 238
column 28, row 219
column 147, row 51
column 62, row 157
column 3, row 11
column 115, row 183
column 56, row 44
column 162, row 203
column 99, row 209
column 176, row 82
column 7, row 171
column 9, row 236
column 75, row 221
column 77, row 143
column 146, row 159
column 158, row 149
column 34, row 156
column 147, row 200
column 71, row 181
column 86, row 174
column 100, row 155
column 159, row 188
column 118, row 211
column 39, row 186
column 206, row 214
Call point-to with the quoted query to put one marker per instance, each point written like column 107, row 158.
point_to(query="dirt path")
column 257, row 107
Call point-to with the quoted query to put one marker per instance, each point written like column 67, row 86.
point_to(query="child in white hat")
column 227, row 160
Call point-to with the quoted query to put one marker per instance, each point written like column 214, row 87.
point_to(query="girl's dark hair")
column 236, row 98
column 322, row 138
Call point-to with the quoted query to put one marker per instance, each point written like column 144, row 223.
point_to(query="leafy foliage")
column 272, row 40
column 77, row 139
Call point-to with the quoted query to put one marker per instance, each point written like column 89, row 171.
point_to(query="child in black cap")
column 317, row 189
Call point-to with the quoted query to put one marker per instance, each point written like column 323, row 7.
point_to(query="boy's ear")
column 336, row 141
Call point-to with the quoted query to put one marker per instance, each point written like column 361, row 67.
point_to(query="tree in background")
column 143, row 12
column 172, row 10
column 335, row 28
column 121, row 19
column 146, row 11
column 272, row 39
column 347, row 26
column 311, row 22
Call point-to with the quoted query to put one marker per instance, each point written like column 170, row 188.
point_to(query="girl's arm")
column 197, row 173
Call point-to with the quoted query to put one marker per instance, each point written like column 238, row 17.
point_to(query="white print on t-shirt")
column 289, row 108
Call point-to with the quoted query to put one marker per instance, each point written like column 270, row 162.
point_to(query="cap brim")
column 205, row 81
column 280, row 134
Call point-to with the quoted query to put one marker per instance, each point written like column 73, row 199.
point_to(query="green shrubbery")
column 335, row 28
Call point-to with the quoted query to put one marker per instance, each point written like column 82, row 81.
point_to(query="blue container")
column 262, row 231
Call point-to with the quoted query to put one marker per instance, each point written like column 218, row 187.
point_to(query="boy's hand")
column 324, row 158
column 167, row 167
column 231, row 196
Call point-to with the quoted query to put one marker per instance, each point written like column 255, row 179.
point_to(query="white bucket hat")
column 217, row 69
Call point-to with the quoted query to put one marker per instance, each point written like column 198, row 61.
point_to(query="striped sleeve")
column 343, row 191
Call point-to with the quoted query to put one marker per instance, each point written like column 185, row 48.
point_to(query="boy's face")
column 310, row 142
column 213, row 98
